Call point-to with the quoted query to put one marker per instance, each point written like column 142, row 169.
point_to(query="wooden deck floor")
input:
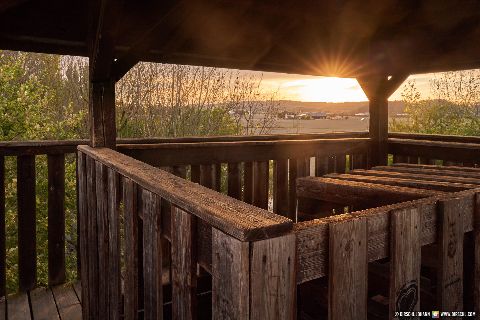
column 60, row 302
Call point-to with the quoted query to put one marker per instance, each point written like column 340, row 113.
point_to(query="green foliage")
column 453, row 107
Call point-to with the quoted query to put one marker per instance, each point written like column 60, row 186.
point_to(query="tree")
column 452, row 107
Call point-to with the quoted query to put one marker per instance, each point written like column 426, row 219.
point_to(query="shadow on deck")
column 60, row 302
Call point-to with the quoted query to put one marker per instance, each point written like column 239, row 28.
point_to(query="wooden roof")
column 330, row 37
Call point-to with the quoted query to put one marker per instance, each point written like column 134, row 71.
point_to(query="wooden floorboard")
column 78, row 290
column 18, row 307
column 43, row 304
column 67, row 302
column 57, row 303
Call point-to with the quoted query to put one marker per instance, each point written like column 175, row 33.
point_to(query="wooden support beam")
column 103, row 130
column 378, row 88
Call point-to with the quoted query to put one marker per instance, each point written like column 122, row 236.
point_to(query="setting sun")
column 326, row 89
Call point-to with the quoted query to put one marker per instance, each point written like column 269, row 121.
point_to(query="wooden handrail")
column 238, row 219
column 434, row 137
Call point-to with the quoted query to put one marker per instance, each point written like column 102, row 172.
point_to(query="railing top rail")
column 32, row 147
column 434, row 137
column 236, row 218
column 434, row 143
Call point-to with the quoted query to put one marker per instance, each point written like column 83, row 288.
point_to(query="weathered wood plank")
column 206, row 175
column 217, row 177
column 292, row 186
column 83, row 225
column 415, row 176
column 152, row 256
column 114, row 268
column 312, row 236
column 348, row 269
column 272, row 276
column 247, row 151
column 476, row 255
column 3, row 278
column 248, row 182
column 43, row 304
column 131, row 246
column 450, row 253
column 102, row 114
column 405, row 261
column 230, row 277
column 3, row 308
column 234, row 182
column 92, row 241
column 429, row 171
column 56, row 219
column 101, row 188
column 280, row 189
column 184, row 265
column 27, row 253
column 195, row 173
column 260, row 184
column 77, row 286
column 18, row 307
column 357, row 193
column 234, row 217
column 341, row 163
column 410, row 183
column 320, row 166
column 359, row 161
column 67, row 302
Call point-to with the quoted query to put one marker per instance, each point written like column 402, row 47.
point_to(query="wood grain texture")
column 234, row 217
column 167, row 154
column 426, row 177
column 131, row 253
column 3, row 277
column 83, row 226
column 101, row 187
column 114, row 255
column 43, row 304
column 92, row 241
column 195, row 173
column 230, row 277
column 260, row 184
column 450, row 253
column 152, row 256
column 56, row 219
column 292, row 186
column 405, row 260
column 234, row 188
column 206, row 176
column 280, row 189
column 272, row 276
column 320, row 165
column 27, row 253
column 102, row 114
column 248, row 182
column 67, row 302
column 184, row 265
column 476, row 255
column 18, row 307
column 347, row 280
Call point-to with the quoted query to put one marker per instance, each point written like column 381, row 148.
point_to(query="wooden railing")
column 253, row 170
column 28, row 157
column 432, row 149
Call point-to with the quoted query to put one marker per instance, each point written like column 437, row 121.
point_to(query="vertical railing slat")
column 280, row 188
column 476, row 255
column 114, row 289
column 195, row 173
column 206, row 175
column 131, row 247
column 83, row 224
column 248, row 182
column 450, row 253
column 347, row 280
column 405, row 261
column 230, row 277
column 341, row 163
column 152, row 256
column 234, row 181
column 92, row 240
column 3, row 278
column 292, row 186
column 27, row 254
column 56, row 219
column 272, row 276
column 102, row 233
column 260, row 184
column 184, row 265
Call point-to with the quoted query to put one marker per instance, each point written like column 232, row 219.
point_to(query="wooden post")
column 272, row 276
column 378, row 88
column 102, row 114
column 405, row 261
column 347, row 280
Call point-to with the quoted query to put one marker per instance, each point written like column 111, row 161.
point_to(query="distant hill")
column 344, row 108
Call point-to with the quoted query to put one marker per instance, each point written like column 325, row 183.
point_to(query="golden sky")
column 327, row 89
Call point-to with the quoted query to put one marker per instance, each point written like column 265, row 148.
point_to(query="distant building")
column 318, row 115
